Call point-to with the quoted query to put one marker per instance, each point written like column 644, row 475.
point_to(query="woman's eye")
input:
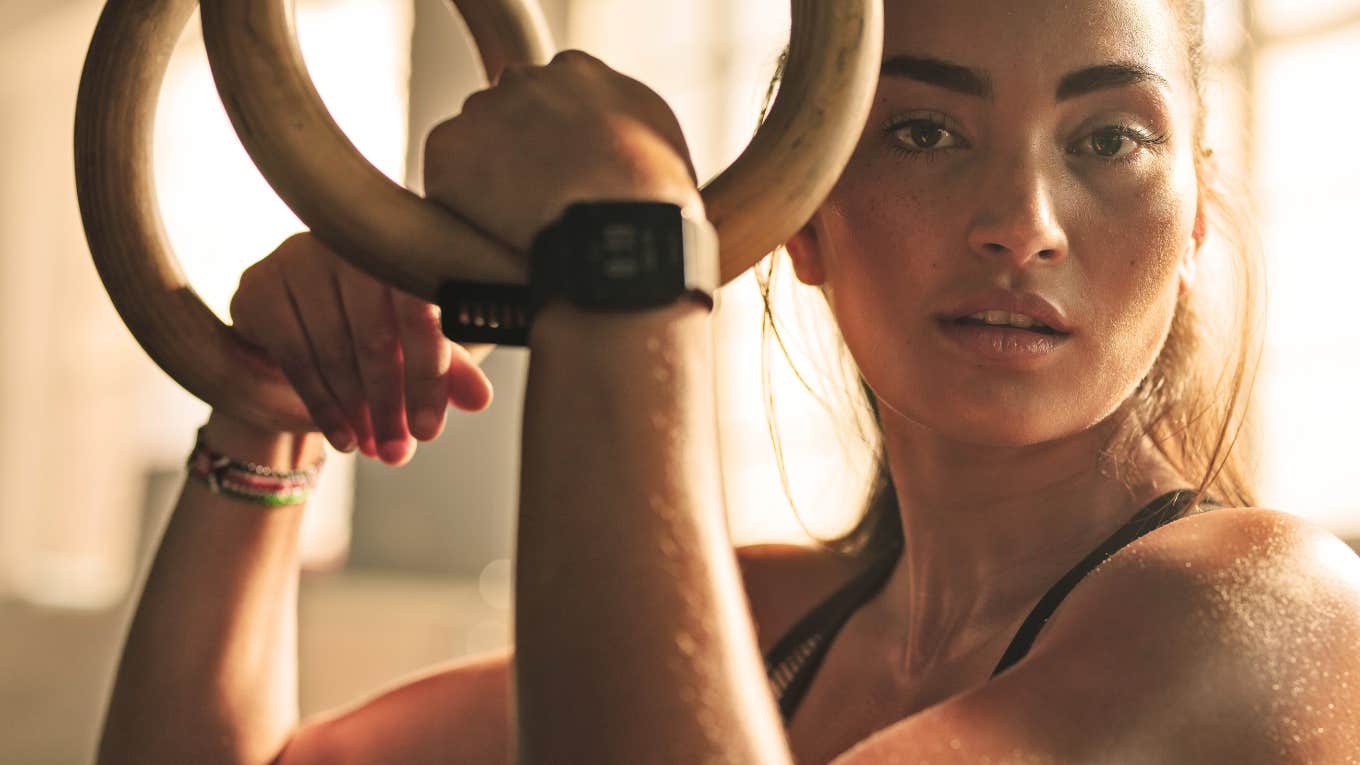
column 920, row 136
column 1117, row 142
column 1112, row 144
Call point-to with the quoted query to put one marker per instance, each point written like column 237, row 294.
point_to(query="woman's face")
column 1018, row 152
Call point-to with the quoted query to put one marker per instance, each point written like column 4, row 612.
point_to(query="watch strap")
column 501, row 314
column 480, row 312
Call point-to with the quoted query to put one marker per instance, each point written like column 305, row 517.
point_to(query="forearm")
column 209, row 670
column 633, row 642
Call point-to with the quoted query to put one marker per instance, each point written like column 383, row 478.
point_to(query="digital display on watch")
column 633, row 254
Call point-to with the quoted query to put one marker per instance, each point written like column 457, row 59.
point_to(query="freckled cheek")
column 1130, row 255
column 890, row 235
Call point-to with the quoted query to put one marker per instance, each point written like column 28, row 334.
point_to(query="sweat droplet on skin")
column 668, row 548
column 686, row 644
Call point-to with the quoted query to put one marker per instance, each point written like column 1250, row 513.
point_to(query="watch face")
column 632, row 253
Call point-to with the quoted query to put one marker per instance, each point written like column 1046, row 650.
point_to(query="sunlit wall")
column 1308, row 185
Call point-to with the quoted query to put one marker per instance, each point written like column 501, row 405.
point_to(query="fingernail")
column 427, row 423
column 393, row 451
column 341, row 439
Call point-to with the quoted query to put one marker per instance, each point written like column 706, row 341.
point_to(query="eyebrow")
column 976, row 82
column 1114, row 75
column 934, row 71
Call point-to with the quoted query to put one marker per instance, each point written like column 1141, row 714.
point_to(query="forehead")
column 1043, row 38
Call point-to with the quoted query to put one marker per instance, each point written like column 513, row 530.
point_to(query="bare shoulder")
column 1233, row 552
column 1245, row 617
column 785, row 581
column 1251, row 561
column 1222, row 637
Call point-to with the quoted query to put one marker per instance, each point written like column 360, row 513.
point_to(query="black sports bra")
column 792, row 662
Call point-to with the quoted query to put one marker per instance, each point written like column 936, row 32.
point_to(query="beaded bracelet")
column 249, row 481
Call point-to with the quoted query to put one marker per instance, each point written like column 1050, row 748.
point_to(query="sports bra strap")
column 792, row 662
column 1156, row 514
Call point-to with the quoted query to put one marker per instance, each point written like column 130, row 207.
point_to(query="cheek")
column 1129, row 256
column 891, row 240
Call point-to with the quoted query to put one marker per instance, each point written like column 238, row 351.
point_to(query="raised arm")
column 209, row 670
column 633, row 638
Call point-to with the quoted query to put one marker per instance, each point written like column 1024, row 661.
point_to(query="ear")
column 1189, row 264
column 805, row 252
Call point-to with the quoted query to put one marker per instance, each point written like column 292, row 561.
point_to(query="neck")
column 988, row 530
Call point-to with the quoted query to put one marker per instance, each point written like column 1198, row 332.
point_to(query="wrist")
column 276, row 450
column 559, row 322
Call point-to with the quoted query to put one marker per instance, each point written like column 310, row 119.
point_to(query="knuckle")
column 573, row 57
column 441, row 134
column 253, row 296
column 239, row 308
column 478, row 101
column 298, row 248
column 422, row 320
column 257, row 276
column 377, row 344
column 300, row 240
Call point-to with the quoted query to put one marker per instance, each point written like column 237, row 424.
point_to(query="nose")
column 1015, row 217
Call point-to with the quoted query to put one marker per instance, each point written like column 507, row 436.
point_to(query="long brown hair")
column 1193, row 404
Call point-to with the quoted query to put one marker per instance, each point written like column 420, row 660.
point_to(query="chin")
column 1005, row 432
column 1003, row 419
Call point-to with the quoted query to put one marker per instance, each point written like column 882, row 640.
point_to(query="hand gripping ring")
column 756, row 204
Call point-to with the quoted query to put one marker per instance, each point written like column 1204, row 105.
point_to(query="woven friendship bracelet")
column 249, row 481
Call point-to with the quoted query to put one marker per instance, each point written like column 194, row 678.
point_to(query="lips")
column 1005, row 308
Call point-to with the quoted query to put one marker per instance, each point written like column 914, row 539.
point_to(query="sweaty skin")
column 949, row 194
column 1225, row 637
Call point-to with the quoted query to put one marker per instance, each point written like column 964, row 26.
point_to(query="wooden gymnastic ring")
column 115, row 183
column 756, row 204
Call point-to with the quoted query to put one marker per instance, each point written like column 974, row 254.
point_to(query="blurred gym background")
column 411, row 566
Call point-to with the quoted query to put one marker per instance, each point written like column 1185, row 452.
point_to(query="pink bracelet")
column 249, row 481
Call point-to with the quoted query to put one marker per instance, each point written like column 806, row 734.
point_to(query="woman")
column 1025, row 163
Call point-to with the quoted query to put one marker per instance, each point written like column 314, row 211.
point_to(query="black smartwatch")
column 599, row 256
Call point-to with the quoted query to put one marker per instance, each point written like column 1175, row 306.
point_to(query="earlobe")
column 1188, row 266
column 806, row 255
column 1190, row 259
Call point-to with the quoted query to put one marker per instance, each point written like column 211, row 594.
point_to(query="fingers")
column 427, row 356
column 468, row 386
column 289, row 346
column 370, row 363
column 314, row 292
column 372, row 320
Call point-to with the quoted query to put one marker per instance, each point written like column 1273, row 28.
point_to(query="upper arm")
column 457, row 714
column 463, row 712
column 1225, row 637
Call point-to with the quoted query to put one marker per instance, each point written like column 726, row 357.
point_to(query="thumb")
column 469, row 388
